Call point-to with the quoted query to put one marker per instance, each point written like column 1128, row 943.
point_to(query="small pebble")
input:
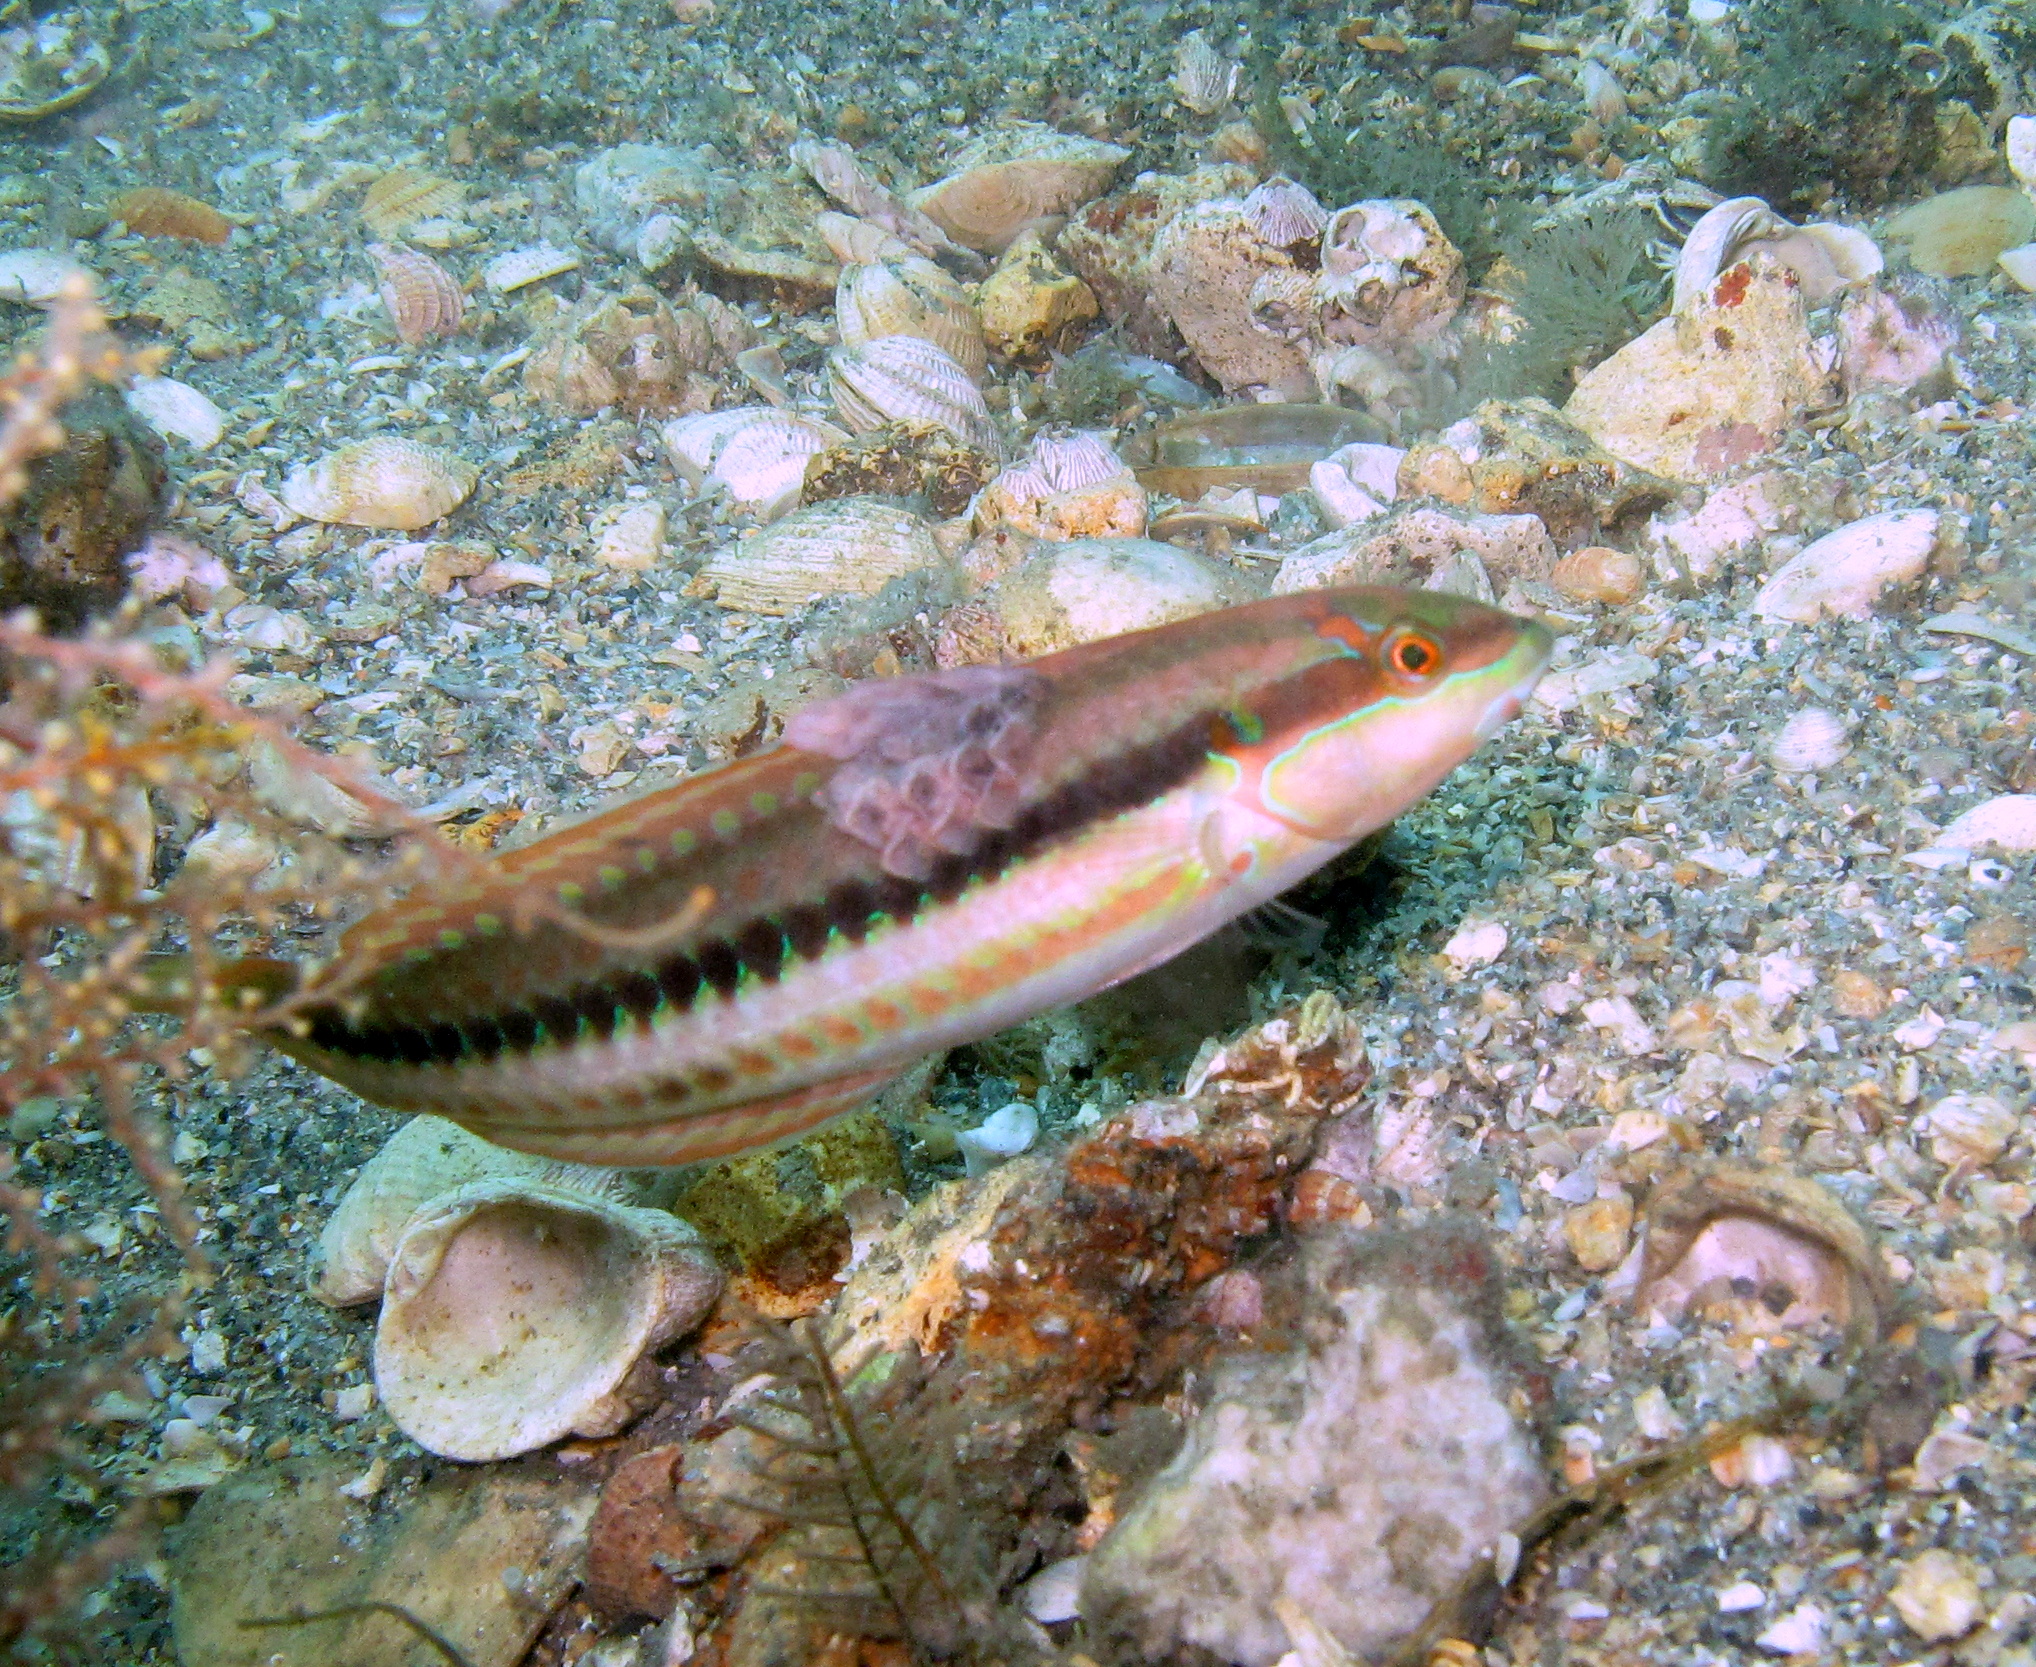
column 1937, row 1596
column 1599, row 1232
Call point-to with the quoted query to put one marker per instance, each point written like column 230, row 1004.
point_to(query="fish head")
column 1408, row 683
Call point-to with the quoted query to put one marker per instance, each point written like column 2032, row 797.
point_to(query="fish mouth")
column 1527, row 661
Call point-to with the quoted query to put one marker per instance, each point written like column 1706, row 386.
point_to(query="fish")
column 920, row 862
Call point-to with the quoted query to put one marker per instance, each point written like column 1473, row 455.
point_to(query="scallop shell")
column 1011, row 178
column 385, row 482
column 519, row 267
column 847, row 546
column 1071, row 458
column 151, row 211
column 177, row 411
column 757, row 452
column 422, row 299
column 1203, row 79
column 1845, row 571
column 515, row 1312
column 36, row 275
column 1824, row 257
column 905, row 378
column 858, row 242
column 1283, row 212
column 1813, row 739
column 404, row 195
column 424, row 1159
column 910, row 296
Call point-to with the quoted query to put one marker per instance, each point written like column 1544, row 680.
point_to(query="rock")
column 1960, row 234
column 1706, row 390
column 1210, row 272
column 1599, row 1232
column 1598, row 574
column 911, row 460
column 482, row 1557
column 619, row 189
column 1421, row 545
column 1355, row 1476
column 636, row 352
column 1030, row 304
column 1109, row 246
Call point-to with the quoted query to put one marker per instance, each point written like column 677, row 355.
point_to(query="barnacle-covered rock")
column 1109, row 246
column 1206, row 263
column 1071, row 485
column 1013, row 177
column 636, row 352
column 901, row 460
column 1388, row 275
column 1712, row 386
column 1030, row 304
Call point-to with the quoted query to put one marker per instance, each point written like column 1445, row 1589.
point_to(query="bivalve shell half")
column 1824, row 257
column 385, row 482
column 2006, row 822
column 1284, row 212
column 756, row 451
column 516, row 1313
column 908, row 379
column 856, row 242
column 404, row 196
column 847, row 546
column 1813, row 739
column 151, row 211
column 1845, row 571
column 423, row 301
column 36, row 275
column 1203, row 79
column 1072, row 486
column 1014, row 177
column 520, row 267
column 177, row 411
column 910, row 296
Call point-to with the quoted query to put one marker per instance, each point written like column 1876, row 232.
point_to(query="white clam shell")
column 176, row 411
column 1845, row 571
column 1824, row 257
column 757, row 452
column 846, row 546
column 1813, row 739
column 386, row 482
column 518, row 267
column 2007, row 822
column 909, row 379
column 425, row 1158
column 910, row 296
column 515, row 1311
column 35, row 275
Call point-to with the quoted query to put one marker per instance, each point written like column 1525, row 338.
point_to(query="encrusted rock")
column 1030, row 304
column 1208, row 269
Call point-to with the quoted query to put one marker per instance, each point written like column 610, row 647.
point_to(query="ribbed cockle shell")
column 1204, row 80
column 910, row 296
column 846, row 546
column 757, row 452
column 908, row 379
column 423, row 301
column 1284, row 212
column 385, row 482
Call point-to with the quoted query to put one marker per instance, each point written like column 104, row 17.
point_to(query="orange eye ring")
column 1411, row 654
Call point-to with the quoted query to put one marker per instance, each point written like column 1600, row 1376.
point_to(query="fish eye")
column 1412, row 653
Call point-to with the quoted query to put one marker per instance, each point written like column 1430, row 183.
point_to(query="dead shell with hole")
column 909, row 379
column 1388, row 274
column 1813, row 739
column 386, row 482
column 1017, row 176
column 517, row 1312
column 1824, row 257
column 846, row 546
column 1845, row 572
column 910, row 296
column 757, row 452
column 423, row 300
column 424, row 1159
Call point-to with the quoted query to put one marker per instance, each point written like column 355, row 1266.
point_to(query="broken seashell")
column 522, row 267
column 1203, row 79
column 385, row 482
column 403, row 196
column 631, row 539
column 757, row 452
column 1824, row 257
column 1014, row 177
column 846, row 546
column 1604, row 98
column 151, row 211
column 1284, row 212
column 1845, row 571
column 424, row 1159
column 1812, row 740
column 423, row 301
column 908, row 379
column 1768, row 1249
column 516, row 1312
column 910, row 296
column 176, row 411
column 1388, row 274
column 856, row 242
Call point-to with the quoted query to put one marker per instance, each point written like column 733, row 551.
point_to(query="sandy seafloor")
column 1639, row 846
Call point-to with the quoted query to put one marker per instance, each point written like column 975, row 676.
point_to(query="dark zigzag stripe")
column 763, row 947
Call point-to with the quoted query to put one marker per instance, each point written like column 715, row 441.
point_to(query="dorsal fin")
column 927, row 761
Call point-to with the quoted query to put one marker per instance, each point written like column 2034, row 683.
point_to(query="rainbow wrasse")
column 922, row 861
